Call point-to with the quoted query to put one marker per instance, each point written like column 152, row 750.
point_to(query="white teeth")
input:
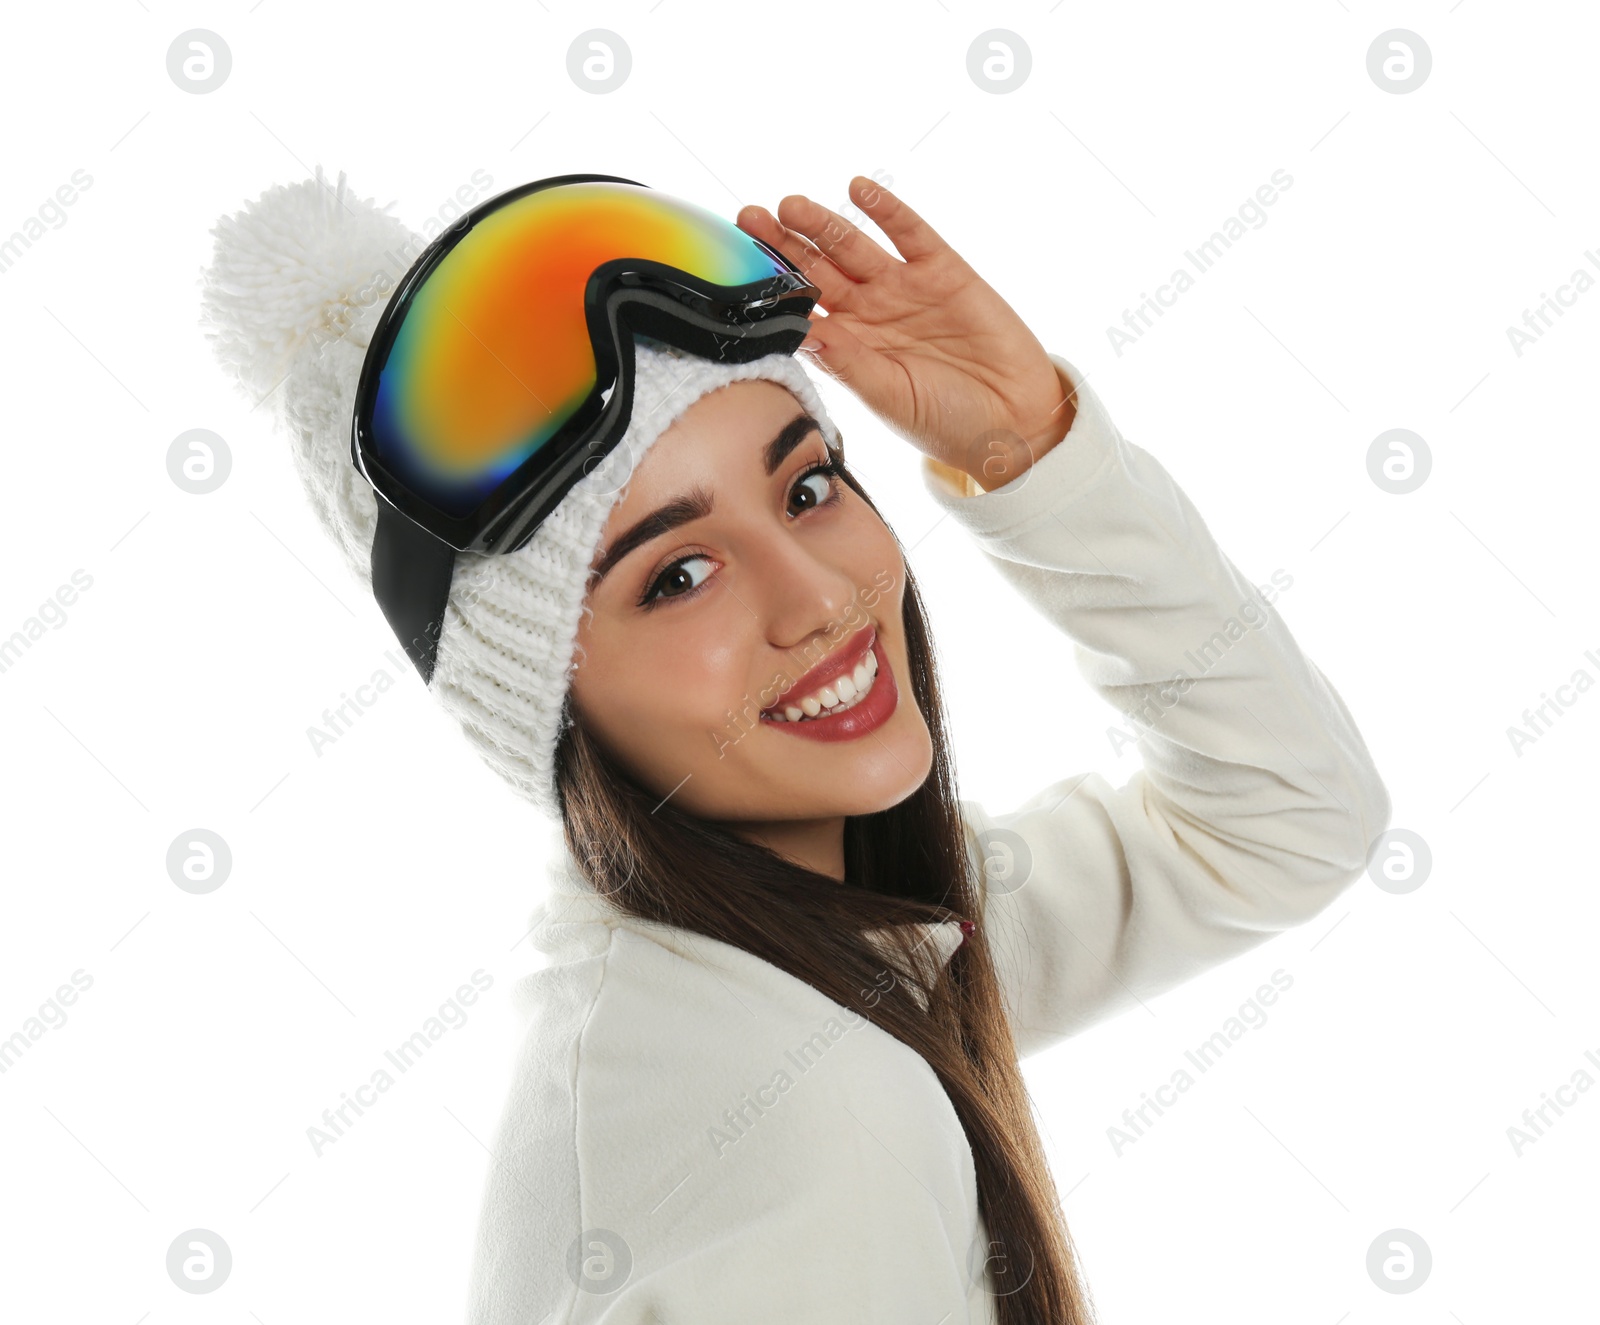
column 841, row 693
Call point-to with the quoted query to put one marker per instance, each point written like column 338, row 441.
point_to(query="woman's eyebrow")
column 697, row 503
column 794, row 432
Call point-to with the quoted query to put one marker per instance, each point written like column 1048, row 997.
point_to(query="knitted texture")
column 298, row 281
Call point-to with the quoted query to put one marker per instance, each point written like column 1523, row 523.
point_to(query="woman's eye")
column 676, row 578
column 820, row 486
column 823, row 488
column 824, row 476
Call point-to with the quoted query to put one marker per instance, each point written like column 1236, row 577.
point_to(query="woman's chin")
column 851, row 777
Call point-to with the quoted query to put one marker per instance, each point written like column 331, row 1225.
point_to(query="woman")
column 771, row 1066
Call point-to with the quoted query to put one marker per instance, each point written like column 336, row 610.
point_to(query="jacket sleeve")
column 1257, row 802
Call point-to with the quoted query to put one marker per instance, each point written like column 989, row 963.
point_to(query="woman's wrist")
column 1004, row 464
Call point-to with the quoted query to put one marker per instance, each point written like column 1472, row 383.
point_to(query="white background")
column 369, row 882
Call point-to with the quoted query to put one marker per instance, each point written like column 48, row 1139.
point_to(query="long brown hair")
column 906, row 864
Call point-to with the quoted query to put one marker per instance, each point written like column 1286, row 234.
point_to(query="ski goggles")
column 501, row 371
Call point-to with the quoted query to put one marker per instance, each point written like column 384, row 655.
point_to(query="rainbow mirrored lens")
column 493, row 355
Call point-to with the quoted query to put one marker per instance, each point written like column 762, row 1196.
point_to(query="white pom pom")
column 302, row 262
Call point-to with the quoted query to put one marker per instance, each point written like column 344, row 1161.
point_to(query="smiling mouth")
column 840, row 695
column 875, row 701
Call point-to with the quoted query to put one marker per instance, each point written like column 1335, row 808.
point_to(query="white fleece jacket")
column 695, row 1137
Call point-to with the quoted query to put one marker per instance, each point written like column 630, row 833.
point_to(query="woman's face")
column 696, row 625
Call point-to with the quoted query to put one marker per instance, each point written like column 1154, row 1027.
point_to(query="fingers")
column 913, row 236
column 853, row 252
column 832, row 284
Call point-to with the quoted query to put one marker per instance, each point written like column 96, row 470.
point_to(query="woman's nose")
column 799, row 590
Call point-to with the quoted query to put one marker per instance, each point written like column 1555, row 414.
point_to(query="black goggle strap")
column 411, row 572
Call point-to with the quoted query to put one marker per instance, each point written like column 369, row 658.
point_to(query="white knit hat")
column 297, row 283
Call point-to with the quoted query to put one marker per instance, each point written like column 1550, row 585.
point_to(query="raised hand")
column 926, row 343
